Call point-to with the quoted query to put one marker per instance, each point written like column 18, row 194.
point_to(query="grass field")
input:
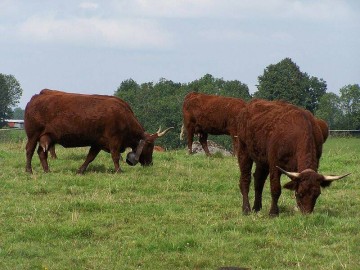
column 182, row 213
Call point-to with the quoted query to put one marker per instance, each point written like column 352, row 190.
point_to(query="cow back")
column 79, row 120
column 281, row 133
column 212, row 114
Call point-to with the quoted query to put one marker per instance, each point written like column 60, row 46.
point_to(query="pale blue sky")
column 92, row 46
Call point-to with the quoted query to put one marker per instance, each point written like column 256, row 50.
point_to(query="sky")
column 92, row 46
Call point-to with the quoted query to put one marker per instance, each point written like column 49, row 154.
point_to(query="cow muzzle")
column 131, row 159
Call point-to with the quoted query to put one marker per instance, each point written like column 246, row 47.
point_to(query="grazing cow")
column 281, row 138
column 76, row 120
column 209, row 114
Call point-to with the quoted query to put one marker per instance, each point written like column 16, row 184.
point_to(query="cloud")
column 235, row 9
column 125, row 33
column 89, row 5
column 173, row 8
column 138, row 24
column 319, row 10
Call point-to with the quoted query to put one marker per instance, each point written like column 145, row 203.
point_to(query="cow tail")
column 182, row 133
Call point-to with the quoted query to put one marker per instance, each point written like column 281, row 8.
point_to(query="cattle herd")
column 278, row 137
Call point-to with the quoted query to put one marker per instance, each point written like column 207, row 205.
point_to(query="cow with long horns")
column 76, row 120
column 281, row 138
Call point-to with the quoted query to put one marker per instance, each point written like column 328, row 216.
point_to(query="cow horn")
column 334, row 177
column 139, row 149
column 290, row 174
column 160, row 134
column 158, row 130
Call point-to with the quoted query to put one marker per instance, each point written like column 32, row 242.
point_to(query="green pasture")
column 184, row 212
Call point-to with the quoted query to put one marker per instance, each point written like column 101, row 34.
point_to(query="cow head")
column 144, row 149
column 307, row 186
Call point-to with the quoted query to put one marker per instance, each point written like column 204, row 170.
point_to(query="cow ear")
column 291, row 185
column 325, row 184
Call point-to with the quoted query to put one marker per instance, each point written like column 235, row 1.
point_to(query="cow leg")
column 45, row 143
column 275, row 188
column 93, row 152
column 190, row 137
column 116, row 158
column 43, row 155
column 235, row 144
column 261, row 172
column 52, row 152
column 30, row 149
column 245, row 164
column 203, row 140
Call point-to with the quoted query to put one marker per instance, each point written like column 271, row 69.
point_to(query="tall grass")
column 182, row 213
column 12, row 135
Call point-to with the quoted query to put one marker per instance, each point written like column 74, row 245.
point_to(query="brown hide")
column 209, row 114
column 275, row 133
column 75, row 120
column 324, row 128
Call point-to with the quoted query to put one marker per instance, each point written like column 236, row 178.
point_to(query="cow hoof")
column 246, row 211
column 257, row 209
column 274, row 214
column 274, row 211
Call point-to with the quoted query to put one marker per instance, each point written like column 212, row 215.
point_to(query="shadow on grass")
column 74, row 156
column 100, row 168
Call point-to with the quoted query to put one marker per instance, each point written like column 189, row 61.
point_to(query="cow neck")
column 138, row 136
column 306, row 153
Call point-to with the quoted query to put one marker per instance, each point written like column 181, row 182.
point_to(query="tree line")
column 160, row 103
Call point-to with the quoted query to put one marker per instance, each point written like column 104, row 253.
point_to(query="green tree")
column 350, row 104
column 206, row 84
column 10, row 93
column 313, row 92
column 237, row 89
column 166, row 102
column 18, row 113
column 218, row 86
column 154, row 105
column 128, row 90
column 160, row 104
column 285, row 81
column 329, row 109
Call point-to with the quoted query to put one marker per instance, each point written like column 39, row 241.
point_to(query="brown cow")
column 47, row 91
column 75, row 120
column 281, row 138
column 209, row 114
